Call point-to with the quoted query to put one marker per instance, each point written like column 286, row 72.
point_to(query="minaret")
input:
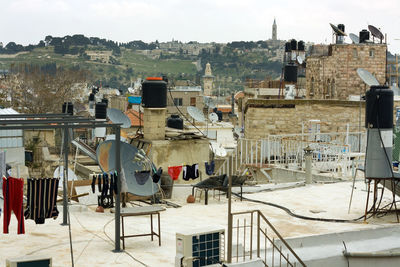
column 274, row 31
column 208, row 80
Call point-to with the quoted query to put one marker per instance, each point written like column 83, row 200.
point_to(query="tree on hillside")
column 34, row 90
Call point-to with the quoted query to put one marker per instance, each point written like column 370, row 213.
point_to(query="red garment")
column 174, row 172
column 13, row 192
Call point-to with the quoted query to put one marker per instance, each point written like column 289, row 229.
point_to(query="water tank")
column 293, row 44
column 154, row 93
column 91, row 97
column 364, row 36
column 101, row 110
column 105, row 100
column 287, row 47
column 379, row 107
column 174, row 121
column 301, row 46
column 68, row 108
column 341, row 27
column 290, row 73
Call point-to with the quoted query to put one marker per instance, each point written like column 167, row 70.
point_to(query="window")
column 371, row 53
column 333, row 88
column 355, row 53
column 178, row 101
column 193, row 101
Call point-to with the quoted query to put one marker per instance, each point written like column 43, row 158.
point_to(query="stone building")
column 182, row 97
column 332, row 70
column 208, row 80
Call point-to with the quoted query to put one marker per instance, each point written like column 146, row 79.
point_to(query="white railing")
column 332, row 152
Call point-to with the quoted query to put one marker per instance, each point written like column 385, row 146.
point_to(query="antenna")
column 210, row 102
column 367, row 77
column 132, row 166
column 376, row 32
column 117, row 116
column 196, row 114
column 354, row 38
column 213, row 117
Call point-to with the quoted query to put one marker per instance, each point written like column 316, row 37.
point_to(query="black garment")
column 111, row 184
column 94, row 183
column 210, row 167
column 42, row 199
column 190, row 172
column 104, row 192
column 157, row 175
column 99, row 182
column 116, row 183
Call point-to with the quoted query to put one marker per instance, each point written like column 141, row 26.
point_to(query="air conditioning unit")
column 27, row 261
column 202, row 247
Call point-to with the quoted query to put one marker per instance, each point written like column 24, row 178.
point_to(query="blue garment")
column 210, row 167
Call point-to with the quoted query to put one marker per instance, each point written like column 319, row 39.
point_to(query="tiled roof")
column 134, row 117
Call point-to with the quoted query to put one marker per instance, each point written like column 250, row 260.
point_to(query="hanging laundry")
column 13, row 193
column 111, row 184
column 210, row 167
column 2, row 174
column 99, row 182
column 41, row 199
column 93, row 185
column 104, row 191
column 190, row 172
column 174, row 172
column 142, row 177
column 157, row 175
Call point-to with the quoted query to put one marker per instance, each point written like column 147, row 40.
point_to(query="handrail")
column 264, row 233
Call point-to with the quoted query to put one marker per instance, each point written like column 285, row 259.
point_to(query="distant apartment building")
column 183, row 97
column 331, row 71
column 102, row 56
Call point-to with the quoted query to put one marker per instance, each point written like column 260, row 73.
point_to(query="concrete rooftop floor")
column 93, row 233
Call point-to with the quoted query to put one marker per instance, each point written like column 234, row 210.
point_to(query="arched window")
column 333, row 93
column 327, row 88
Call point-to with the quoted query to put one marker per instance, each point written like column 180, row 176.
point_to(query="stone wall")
column 269, row 116
column 335, row 76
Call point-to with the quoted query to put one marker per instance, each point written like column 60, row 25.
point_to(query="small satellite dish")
column 375, row 32
column 213, row 117
column 59, row 173
column 300, row 60
column 196, row 114
column 117, row 116
column 337, row 31
column 218, row 149
column 354, row 38
column 209, row 102
column 367, row 77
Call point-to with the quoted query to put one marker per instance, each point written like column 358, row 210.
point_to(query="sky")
column 29, row 21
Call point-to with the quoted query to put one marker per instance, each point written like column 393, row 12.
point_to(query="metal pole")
column 65, row 178
column 229, row 219
column 118, row 195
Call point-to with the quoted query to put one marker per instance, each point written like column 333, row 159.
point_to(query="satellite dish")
column 376, row 32
column 196, row 114
column 367, row 77
column 338, row 31
column 59, row 173
column 354, row 38
column 117, row 116
column 105, row 153
column 218, row 149
column 213, row 117
column 300, row 60
column 209, row 102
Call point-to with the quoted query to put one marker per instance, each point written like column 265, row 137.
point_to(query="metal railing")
column 332, row 152
column 256, row 237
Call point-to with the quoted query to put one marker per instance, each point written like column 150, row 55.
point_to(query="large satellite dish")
column 375, row 32
column 117, row 116
column 196, row 114
column 354, row 38
column 210, row 102
column 337, row 31
column 213, row 117
column 367, row 77
column 105, row 153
